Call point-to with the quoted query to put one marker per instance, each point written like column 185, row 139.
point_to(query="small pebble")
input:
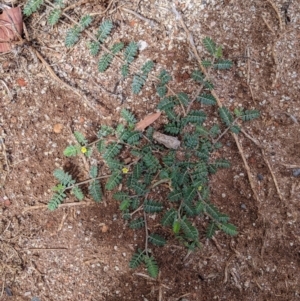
column 243, row 206
column 296, row 172
column 260, row 177
column 8, row 291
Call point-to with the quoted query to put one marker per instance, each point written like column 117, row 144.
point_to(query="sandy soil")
column 81, row 252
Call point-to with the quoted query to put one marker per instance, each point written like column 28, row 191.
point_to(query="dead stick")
column 277, row 12
column 152, row 23
column 46, row 249
column 59, row 206
column 267, row 162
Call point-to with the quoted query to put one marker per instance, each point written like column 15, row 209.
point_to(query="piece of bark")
column 167, row 141
column 10, row 21
column 149, row 119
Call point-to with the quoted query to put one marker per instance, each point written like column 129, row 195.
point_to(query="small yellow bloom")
column 83, row 149
column 200, row 188
column 125, row 170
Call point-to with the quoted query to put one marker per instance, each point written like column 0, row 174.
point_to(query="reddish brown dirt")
column 82, row 252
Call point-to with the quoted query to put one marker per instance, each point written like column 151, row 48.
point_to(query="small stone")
column 243, row 206
column 296, row 172
column 223, row 195
column 57, row 128
column 260, row 177
column 104, row 229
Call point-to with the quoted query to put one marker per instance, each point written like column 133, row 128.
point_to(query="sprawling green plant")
column 181, row 174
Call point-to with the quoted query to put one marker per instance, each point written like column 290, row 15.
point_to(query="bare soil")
column 81, row 252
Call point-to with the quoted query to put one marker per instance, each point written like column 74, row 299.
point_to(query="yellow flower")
column 83, row 149
column 200, row 188
column 125, row 170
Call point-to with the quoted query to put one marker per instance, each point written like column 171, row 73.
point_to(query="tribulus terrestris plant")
column 180, row 171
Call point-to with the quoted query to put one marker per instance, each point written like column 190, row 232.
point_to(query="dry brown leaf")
column 10, row 21
column 149, row 119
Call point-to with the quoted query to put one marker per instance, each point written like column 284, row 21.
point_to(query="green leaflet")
column 78, row 193
column 130, row 52
column 249, row 115
column 229, row 229
column 198, row 76
column 95, row 191
column 63, row 177
column 210, row 45
column 94, row 171
column 136, row 259
column 104, row 30
column 72, row 36
column 85, row 21
column 120, row 196
column 164, row 77
column 54, row 16
column 189, row 230
column 157, row 240
column 151, row 265
column 32, row 6
column 124, row 204
column 56, row 200
column 105, row 62
column 137, row 223
column 114, row 180
column 80, row 138
column 166, row 103
column 152, row 206
column 175, row 196
column 183, row 98
column 211, row 230
column 169, row 217
column 207, row 99
column 94, row 48
column 128, row 116
column 112, row 150
column 226, row 116
column 72, row 150
column 223, row 64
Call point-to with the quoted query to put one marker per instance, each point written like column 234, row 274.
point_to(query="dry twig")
column 59, row 206
column 277, row 12
column 8, row 91
column 152, row 23
column 267, row 162
column 268, row 25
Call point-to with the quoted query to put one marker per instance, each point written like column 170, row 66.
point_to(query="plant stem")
column 86, row 181
column 233, row 123
column 146, row 233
